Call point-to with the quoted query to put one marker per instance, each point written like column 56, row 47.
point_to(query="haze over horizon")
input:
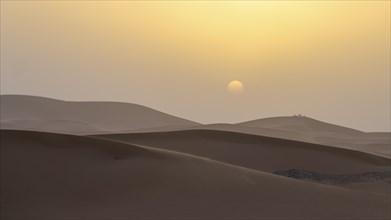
column 326, row 60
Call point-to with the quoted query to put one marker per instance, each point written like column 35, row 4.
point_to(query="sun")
column 235, row 87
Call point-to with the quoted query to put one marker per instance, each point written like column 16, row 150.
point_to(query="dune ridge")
column 107, row 116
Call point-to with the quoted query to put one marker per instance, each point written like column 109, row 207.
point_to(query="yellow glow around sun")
column 235, row 87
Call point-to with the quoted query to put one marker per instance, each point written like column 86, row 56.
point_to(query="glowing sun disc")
column 235, row 87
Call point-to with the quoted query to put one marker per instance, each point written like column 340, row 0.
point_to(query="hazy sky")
column 328, row 60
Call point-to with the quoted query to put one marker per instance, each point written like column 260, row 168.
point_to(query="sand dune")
column 56, row 126
column 299, row 124
column 268, row 132
column 97, row 116
column 374, row 143
column 84, row 118
column 233, row 144
column 262, row 153
column 53, row 176
column 316, row 132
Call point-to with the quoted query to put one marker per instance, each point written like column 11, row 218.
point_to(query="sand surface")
column 108, row 160
column 314, row 131
column 263, row 153
column 19, row 112
column 56, row 176
column 38, row 113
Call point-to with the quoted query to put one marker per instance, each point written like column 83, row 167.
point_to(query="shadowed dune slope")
column 38, row 113
column 53, row 176
column 258, row 152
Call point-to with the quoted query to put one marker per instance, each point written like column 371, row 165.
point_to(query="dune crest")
column 98, row 117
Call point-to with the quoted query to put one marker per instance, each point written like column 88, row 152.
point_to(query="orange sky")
column 326, row 59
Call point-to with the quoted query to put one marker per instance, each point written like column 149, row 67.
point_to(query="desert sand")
column 263, row 153
column 315, row 131
column 20, row 112
column 37, row 113
column 57, row 176
column 107, row 160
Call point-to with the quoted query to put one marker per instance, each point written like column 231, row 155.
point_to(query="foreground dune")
column 264, row 153
column 53, row 176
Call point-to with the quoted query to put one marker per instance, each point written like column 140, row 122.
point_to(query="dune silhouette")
column 38, row 113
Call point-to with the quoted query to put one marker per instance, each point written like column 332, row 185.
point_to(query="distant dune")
column 38, row 113
column 314, row 131
column 52, row 125
column 53, row 176
column 263, row 153
column 300, row 124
